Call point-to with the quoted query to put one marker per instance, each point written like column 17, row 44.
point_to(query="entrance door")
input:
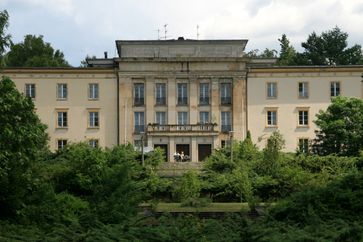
column 204, row 150
column 183, row 148
column 164, row 148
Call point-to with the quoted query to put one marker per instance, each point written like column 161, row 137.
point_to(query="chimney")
column 105, row 53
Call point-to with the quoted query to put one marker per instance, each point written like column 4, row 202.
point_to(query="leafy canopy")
column 5, row 39
column 34, row 52
column 341, row 128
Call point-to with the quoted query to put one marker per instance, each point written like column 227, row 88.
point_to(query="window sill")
column 302, row 126
column 93, row 99
column 93, row 127
column 62, row 99
column 61, row 128
column 271, row 126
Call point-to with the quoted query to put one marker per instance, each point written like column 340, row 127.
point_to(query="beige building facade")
column 184, row 96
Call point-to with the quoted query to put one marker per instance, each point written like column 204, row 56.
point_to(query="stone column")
column 215, row 110
column 171, row 149
column 238, row 109
column 126, row 110
column 172, row 92
column 149, row 101
column 193, row 97
column 194, row 150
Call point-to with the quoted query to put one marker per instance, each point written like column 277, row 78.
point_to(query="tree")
column 84, row 63
column 5, row 39
column 287, row 52
column 22, row 138
column 34, row 52
column 330, row 48
column 267, row 53
column 340, row 128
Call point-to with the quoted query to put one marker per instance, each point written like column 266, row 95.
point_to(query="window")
column 93, row 121
column 334, row 89
column 303, row 117
column 30, row 90
column 271, row 90
column 62, row 91
column 62, row 119
column 160, row 94
column 271, row 117
column 303, row 145
column 303, row 89
column 61, row 143
column 226, row 121
column 139, row 94
column 182, row 118
column 226, row 91
column 204, row 93
column 139, row 122
column 93, row 143
column 204, row 117
column 182, row 94
column 160, row 118
column 93, row 92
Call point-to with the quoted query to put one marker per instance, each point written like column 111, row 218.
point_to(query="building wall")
column 77, row 105
column 288, row 102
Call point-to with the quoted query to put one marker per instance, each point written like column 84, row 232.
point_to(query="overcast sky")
column 81, row 27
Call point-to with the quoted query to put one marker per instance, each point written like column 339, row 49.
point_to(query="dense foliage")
column 340, row 128
column 5, row 39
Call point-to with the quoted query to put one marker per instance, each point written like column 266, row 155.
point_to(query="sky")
column 90, row 27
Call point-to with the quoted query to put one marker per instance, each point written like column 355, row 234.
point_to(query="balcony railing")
column 139, row 128
column 226, row 128
column 226, row 100
column 208, row 127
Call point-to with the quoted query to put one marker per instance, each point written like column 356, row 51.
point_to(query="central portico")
column 182, row 95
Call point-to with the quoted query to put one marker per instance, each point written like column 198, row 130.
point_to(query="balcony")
column 182, row 129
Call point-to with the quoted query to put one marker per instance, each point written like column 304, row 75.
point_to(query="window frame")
column 182, row 100
column 66, row 119
column 305, row 87
column 268, row 90
column 162, row 100
column 226, row 127
column 61, row 140
column 91, row 122
column 200, row 117
column 32, row 91
column 335, row 89
column 271, row 110
column 138, row 127
column 204, row 95
column 299, row 145
column 157, row 113
column 61, row 96
column 92, row 94
column 304, row 123
column 138, row 94
column 224, row 99
column 92, row 141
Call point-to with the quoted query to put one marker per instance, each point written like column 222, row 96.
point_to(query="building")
column 184, row 96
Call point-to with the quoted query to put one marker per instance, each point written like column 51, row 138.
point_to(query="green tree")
column 22, row 140
column 84, row 63
column 34, row 52
column 287, row 55
column 267, row 53
column 5, row 39
column 340, row 128
column 330, row 48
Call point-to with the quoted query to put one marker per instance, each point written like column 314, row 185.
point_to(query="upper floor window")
column 93, row 119
column 182, row 94
column 30, row 90
column 139, row 94
column 204, row 117
column 303, row 117
column 160, row 94
column 226, row 93
column 334, row 89
column 271, row 90
column 160, row 118
column 62, row 119
column 226, row 121
column 271, row 117
column 62, row 91
column 303, row 89
column 139, row 122
column 204, row 93
column 93, row 92
column 182, row 118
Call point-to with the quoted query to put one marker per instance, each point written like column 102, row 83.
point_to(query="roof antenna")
column 197, row 32
column 165, row 30
column 158, row 33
